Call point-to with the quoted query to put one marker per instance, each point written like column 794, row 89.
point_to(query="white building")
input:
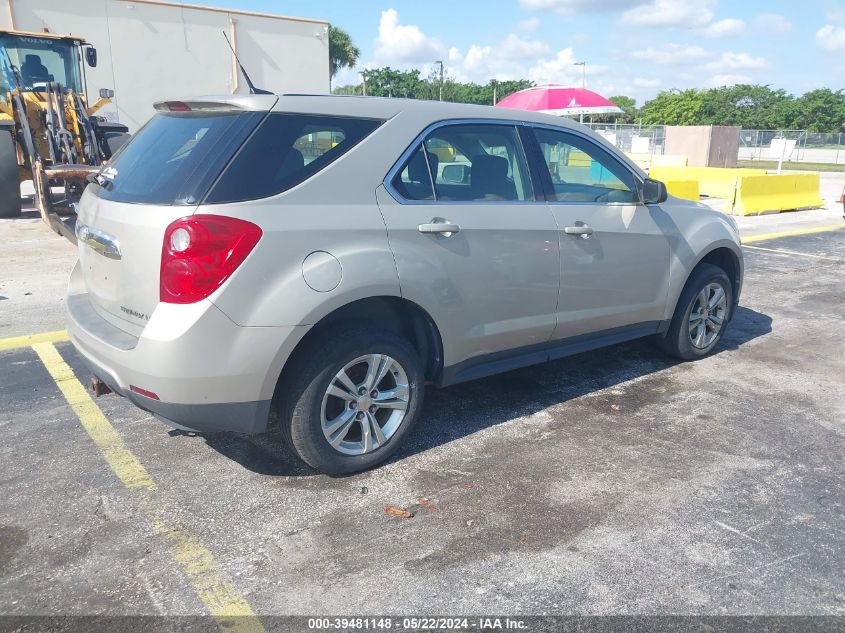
column 150, row 50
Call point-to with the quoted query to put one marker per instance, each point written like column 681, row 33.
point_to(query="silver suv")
column 317, row 260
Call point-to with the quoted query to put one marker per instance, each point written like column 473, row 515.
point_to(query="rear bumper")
column 237, row 417
column 208, row 373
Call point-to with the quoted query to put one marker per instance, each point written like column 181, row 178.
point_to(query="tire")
column 306, row 407
column 10, row 184
column 683, row 340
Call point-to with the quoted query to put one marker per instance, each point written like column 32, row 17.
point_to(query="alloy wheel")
column 364, row 404
column 707, row 317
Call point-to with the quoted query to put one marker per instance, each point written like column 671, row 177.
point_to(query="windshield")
column 36, row 61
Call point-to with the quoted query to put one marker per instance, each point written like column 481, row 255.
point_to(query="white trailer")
column 150, row 50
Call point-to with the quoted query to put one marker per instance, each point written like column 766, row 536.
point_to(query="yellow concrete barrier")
column 686, row 189
column 716, row 182
column 577, row 158
column 647, row 161
column 776, row 192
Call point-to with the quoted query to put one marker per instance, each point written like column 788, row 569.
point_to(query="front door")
column 614, row 254
column 476, row 250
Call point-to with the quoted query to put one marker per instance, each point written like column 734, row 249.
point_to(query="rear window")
column 175, row 157
column 285, row 150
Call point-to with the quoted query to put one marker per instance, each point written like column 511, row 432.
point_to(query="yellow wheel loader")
column 48, row 132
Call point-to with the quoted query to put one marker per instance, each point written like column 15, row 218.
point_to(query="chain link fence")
column 636, row 139
column 810, row 147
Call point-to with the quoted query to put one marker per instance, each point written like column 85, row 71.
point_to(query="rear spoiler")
column 227, row 103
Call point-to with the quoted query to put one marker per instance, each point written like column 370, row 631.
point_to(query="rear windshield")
column 286, row 150
column 175, row 157
column 182, row 158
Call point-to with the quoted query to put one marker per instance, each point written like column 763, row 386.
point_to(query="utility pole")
column 440, row 98
column 495, row 85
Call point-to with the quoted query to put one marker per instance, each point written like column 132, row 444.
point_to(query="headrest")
column 488, row 169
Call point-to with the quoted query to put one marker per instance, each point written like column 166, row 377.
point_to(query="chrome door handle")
column 437, row 225
column 581, row 229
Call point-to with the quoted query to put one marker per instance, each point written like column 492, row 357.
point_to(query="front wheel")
column 348, row 404
column 701, row 314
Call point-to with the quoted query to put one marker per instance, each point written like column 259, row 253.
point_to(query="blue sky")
column 633, row 47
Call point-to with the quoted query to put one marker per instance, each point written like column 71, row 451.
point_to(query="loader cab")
column 32, row 60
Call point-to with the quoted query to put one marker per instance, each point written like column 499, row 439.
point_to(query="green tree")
column 628, row 106
column 820, row 110
column 389, row 82
column 674, row 107
column 342, row 51
column 746, row 106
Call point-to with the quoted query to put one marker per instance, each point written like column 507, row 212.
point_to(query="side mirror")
column 106, row 93
column 654, row 192
column 91, row 56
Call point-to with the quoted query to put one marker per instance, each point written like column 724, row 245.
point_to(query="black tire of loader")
column 10, row 184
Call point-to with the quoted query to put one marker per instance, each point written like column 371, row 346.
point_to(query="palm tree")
column 342, row 52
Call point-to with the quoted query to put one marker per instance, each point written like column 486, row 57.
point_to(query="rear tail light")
column 200, row 252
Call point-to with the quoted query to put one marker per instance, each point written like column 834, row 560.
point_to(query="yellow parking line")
column 26, row 341
column 793, row 233
column 212, row 586
column 781, row 251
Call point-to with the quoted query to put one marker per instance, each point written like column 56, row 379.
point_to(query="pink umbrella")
column 559, row 100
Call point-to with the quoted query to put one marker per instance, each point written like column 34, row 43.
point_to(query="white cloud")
column 514, row 47
column 505, row 60
column 772, row 24
column 728, row 79
column 577, row 6
column 683, row 13
column 670, row 54
column 729, row 27
column 735, row 61
column 831, row 38
column 643, row 82
column 529, row 25
column 561, row 69
column 402, row 44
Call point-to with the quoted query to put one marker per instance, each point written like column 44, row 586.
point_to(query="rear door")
column 476, row 250
column 158, row 177
column 614, row 252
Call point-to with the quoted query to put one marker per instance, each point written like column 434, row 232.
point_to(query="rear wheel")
column 10, row 185
column 348, row 405
column 701, row 314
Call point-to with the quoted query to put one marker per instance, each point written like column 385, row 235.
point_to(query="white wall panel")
column 149, row 51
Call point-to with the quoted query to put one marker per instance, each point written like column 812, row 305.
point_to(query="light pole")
column 583, row 66
column 440, row 98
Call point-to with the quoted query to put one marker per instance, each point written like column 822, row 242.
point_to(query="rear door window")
column 174, row 158
column 467, row 162
column 413, row 181
column 285, row 150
